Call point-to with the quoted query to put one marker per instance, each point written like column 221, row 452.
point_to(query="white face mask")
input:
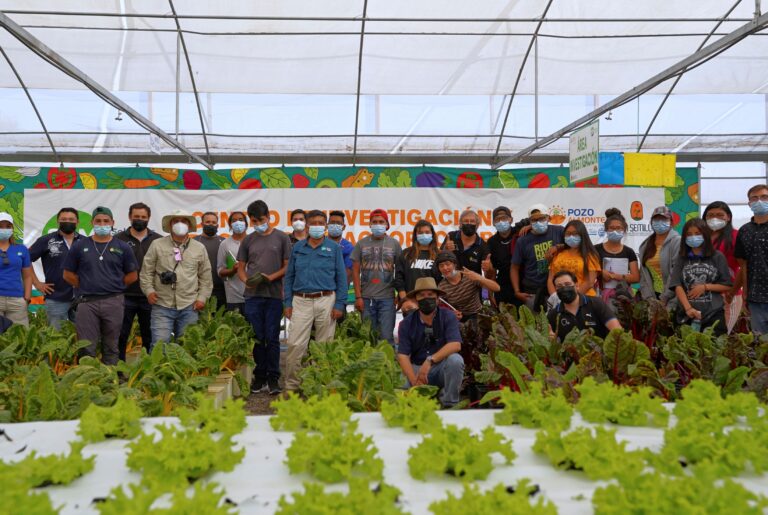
column 180, row 229
column 299, row 225
column 716, row 223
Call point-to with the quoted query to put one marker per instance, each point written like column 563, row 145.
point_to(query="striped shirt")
column 464, row 295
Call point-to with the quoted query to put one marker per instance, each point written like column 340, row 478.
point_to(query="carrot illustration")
column 140, row 183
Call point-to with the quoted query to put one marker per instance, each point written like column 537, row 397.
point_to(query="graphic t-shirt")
column 617, row 263
column 653, row 264
column 572, row 260
column 408, row 270
column 692, row 270
column 377, row 258
column 530, row 253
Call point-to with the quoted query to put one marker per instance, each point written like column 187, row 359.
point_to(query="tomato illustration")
column 62, row 178
column 540, row 180
column 192, row 180
column 299, row 181
column 469, row 180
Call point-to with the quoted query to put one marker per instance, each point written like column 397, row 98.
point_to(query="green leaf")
column 499, row 499
column 123, row 420
column 606, row 402
column 508, row 179
column 275, row 178
column 412, row 412
column 311, row 172
column 360, row 499
column 735, row 380
column 9, row 173
column 220, row 179
column 534, row 409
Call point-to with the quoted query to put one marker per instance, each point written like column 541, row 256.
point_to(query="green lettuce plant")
column 122, row 420
column 500, row 499
column 412, row 411
column 606, row 402
column 381, row 500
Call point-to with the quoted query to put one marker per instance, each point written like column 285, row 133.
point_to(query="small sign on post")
column 583, row 151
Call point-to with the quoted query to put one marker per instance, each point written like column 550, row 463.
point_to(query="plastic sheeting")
column 259, row 481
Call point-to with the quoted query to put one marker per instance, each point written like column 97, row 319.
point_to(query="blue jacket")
column 316, row 269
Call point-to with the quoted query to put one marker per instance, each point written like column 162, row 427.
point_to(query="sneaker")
column 273, row 386
column 258, row 385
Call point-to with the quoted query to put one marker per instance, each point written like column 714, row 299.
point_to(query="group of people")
column 104, row 281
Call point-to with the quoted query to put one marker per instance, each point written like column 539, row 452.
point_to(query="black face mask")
column 566, row 294
column 139, row 225
column 468, row 229
column 67, row 227
column 210, row 230
column 428, row 305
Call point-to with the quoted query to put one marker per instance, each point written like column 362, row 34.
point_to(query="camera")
column 168, row 277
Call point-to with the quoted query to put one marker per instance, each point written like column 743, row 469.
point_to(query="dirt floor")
column 258, row 403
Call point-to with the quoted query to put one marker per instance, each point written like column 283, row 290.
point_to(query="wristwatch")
column 431, row 361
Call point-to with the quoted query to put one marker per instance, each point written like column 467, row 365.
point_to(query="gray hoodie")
column 670, row 249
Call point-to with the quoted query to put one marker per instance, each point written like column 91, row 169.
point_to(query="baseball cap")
column 541, row 208
column 446, row 255
column 662, row 211
column 380, row 212
column 101, row 210
column 6, row 217
column 501, row 210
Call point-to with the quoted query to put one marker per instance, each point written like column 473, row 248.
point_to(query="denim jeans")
column 169, row 321
column 57, row 311
column 758, row 313
column 448, row 375
column 381, row 313
column 236, row 306
column 136, row 306
column 265, row 314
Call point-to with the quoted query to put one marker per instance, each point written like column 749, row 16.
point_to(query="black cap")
column 446, row 255
column 501, row 209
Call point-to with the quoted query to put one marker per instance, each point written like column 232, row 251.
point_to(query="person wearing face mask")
column 176, row 278
column 469, row 247
column 699, row 279
column 139, row 237
column 15, row 274
column 336, row 226
column 100, row 268
column 416, row 261
column 578, row 311
column 315, row 293
column 657, row 256
column 226, row 262
column 580, row 257
column 373, row 275
column 719, row 220
column 462, row 287
column 530, row 263
column 212, row 241
column 299, row 226
column 52, row 250
column 619, row 262
column 501, row 247
column 261, row 264
column 429, row 344
column 752, row 253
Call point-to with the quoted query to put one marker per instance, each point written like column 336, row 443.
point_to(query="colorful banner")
column 405, row 206
column 14, row 181
column 649, row 169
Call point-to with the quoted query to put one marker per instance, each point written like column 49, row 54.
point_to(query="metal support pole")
column 59, row 62
column 692, row 60
column 359, row 81
column 178, row 79
column 536, row 87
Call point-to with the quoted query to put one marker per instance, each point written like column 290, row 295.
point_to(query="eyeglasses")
column 755, row 198
column 4, row 255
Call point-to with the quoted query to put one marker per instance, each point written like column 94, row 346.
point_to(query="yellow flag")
column 649, row 170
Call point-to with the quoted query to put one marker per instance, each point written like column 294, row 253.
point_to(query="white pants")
column 15, row 309
column 307, row 313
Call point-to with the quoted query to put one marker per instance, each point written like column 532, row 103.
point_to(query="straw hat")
column 191, row 220
column 425, row 284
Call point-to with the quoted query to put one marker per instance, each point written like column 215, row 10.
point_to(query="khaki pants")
column 15, row 309
column 306, row 313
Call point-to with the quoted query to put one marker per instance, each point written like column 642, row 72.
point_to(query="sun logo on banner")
column 556, row 215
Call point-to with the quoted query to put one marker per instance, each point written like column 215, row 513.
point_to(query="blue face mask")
column 573, row 241
column 334, row 230
column 102, row 230
column 661, row 227
column 539, row 227
column 316, row 231
column 615, row 235
column 238, row 227
column 759, row 207
column 261, row 228
column 502, row 226
column 695, row 241
column 5, row 234
column 424, row 239
column 378, row 229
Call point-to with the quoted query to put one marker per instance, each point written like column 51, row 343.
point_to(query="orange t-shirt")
column 571, row 260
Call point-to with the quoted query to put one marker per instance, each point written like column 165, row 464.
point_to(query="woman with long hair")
column 15, row 274
column 699, row 279
column 720, row 221
column 619, row 262
column 416, row 261
column 579, row 258
column 657, row 257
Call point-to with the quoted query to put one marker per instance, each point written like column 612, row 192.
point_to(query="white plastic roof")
column 282, row 78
